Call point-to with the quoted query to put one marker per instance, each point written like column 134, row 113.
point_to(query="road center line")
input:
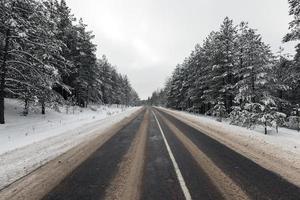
column 177, row 170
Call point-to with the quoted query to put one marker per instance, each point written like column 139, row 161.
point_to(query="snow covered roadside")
column 279, row 152
column 20, row 131
column 29, row 142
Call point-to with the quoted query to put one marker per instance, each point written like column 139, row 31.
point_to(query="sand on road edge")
column 127, row 182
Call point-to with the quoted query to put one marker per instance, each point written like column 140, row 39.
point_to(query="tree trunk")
column 43, row 108
column 26, row 106
column 280, row 94
column 253, row 86
column 298, row 128
column 87, row 97
column 266, row 128
column 229, row 103
column 3, row 75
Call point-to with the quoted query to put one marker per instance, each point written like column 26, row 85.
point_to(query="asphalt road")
column 158, row 157
column 92, row 177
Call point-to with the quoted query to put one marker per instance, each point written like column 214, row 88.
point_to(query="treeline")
column 158, row 98
column 48, row 57
column 234, row 74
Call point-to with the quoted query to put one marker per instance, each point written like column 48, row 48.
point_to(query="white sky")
column 145, row 39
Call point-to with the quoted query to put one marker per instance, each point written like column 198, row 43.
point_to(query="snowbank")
column 29, row 142
column 21, row 130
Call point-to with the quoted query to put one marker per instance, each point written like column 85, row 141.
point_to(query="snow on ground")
column 23, row 130
column 29, row 142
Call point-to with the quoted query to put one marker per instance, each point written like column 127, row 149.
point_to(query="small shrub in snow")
column 219, row 111
column 293, row 122
column 93, row 108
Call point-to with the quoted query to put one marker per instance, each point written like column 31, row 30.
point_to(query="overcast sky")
column 145, row 39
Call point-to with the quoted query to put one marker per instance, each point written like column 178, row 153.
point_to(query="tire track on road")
column 91, row 178
column 128, row 180
column 197, row 181
column 227, row 187
column 180, row 178
column 159, row 180
column 256, row 181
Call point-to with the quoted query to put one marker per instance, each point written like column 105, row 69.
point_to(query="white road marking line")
column 183, row 186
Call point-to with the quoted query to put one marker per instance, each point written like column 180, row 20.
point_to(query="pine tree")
column 32, row 51
column 106, row 79
column 220, row 50
column 294, row 24
column 253, row 65
column 219, row 110
column 283, row 81
column 255, row 102
column 294, row 35
column 6, row 24
column 134, row 98
column 67, row 33
column 174, row 96
column 186, row 85
column 85, row 63
column 234, row 71
column 210, row 79
column 44, row 56
column 224, row 67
